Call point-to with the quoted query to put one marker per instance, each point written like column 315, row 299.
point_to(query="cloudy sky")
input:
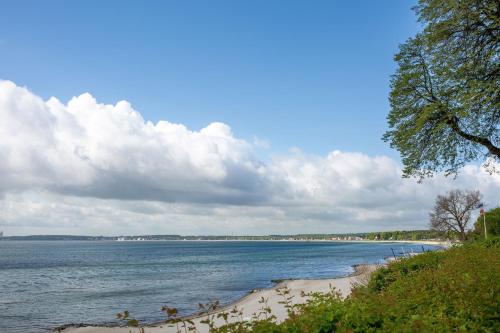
column 196, row 119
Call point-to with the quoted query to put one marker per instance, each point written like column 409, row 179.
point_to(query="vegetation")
column 452, row 212
column 404, row 235
column 492, row 218
column 445, row 94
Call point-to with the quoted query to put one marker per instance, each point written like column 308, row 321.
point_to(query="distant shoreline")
column 440, row 243
column 444, row 243
column 404, row 235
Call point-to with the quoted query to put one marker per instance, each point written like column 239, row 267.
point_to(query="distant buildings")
column 347, row 238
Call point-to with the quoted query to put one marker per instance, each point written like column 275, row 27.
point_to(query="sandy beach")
column 249, row 304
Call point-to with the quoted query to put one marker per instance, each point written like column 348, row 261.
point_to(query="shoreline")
column 359, row 269
column 424, row 242
column 249, row 303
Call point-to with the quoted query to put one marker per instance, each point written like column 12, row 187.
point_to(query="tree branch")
column 492, row 149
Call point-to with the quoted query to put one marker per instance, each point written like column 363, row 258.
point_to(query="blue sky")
column 211, row 76
column 312, row 75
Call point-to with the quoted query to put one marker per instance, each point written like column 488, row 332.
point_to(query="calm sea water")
column 46, row 284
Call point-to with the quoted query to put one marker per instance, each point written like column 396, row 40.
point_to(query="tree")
column 492, row 223
column 452, row 211
column 445, row 94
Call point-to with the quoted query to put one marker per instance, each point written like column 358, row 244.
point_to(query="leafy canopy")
column 445, row 93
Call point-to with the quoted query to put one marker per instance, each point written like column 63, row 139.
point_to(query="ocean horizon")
column 46, row 284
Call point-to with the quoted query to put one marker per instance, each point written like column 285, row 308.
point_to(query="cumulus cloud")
column 89, row 149
column 84, row 165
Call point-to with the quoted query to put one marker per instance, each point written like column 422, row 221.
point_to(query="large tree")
column 452, row 212
column 445, row 95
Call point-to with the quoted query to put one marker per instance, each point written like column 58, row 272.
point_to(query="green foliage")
column 493, row 242
column 445, row 95
column 446, row 291
column 492, row 223
column 404, row 235
column 383, row 277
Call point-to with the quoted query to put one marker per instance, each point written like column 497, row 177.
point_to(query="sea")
column 45, row 284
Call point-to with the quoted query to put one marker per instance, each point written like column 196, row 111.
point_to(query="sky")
column 220, row 117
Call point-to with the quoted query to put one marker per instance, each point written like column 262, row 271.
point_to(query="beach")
column 250, row 304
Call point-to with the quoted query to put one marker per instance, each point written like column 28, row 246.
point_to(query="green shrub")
column 493, row 242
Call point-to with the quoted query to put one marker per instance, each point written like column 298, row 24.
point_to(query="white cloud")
column 85, row 167
column 109, row 151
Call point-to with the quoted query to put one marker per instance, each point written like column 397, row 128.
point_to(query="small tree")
column 452, row 211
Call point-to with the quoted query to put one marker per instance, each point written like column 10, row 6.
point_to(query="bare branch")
column 452, row 211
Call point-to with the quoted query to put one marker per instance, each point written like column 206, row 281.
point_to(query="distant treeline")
column 386, row 235
column 404, row 235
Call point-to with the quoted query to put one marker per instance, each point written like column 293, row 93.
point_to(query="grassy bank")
column 444, row 291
